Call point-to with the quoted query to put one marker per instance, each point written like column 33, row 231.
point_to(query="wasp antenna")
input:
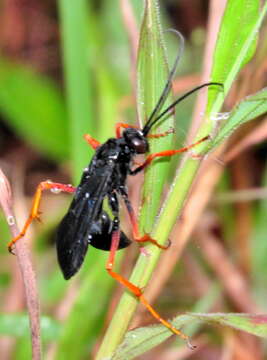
column 177, row 101
column 168, row 85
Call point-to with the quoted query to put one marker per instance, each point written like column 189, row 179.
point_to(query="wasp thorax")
column 136, row 140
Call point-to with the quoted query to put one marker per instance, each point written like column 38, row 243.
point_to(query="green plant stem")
column 145, row 264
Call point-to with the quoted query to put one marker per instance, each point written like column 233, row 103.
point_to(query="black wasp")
column 86, row 222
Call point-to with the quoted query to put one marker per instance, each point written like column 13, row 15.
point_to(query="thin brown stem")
column 25, row 266
column 132, row 32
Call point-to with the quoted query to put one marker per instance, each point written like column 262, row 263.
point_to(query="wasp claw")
column 38, row 218
column 168, row 244
column 171, row 130
column 11, row 249
column 148, row 238
column 191, row 346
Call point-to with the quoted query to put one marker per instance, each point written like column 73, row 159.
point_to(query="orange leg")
column 136, row 234
column 136, row 290
column 165, row 133
column 35, row 213
column 166, row 153
column 118, row 127
column 91, row 141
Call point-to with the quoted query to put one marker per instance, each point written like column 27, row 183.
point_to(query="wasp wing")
column 74, row 229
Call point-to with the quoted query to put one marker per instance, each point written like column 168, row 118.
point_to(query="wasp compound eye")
column 140, row 145
column 136, row 140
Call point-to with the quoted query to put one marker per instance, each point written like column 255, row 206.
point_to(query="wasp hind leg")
column 135, row 290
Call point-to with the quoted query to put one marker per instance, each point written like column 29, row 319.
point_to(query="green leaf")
column 248, row 109
column 140, row 340
column 34, row 108
column 152, row 74
column 236, row 42
column 251, row 323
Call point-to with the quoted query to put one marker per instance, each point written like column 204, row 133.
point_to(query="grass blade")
column 143, row 339
column 236, row 42
column 152, row 74
column 248, row 109
column 75, row 46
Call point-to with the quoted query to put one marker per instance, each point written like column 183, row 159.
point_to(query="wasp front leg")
column 166, row 153
column 91, row 141
column 159, row 135
column 35, row 213
column 120, row 125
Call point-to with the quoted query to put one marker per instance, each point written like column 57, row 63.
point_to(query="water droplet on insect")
column 55, row 190
column 10, row 220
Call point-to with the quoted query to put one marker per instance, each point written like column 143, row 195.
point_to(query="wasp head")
column 136, row 140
